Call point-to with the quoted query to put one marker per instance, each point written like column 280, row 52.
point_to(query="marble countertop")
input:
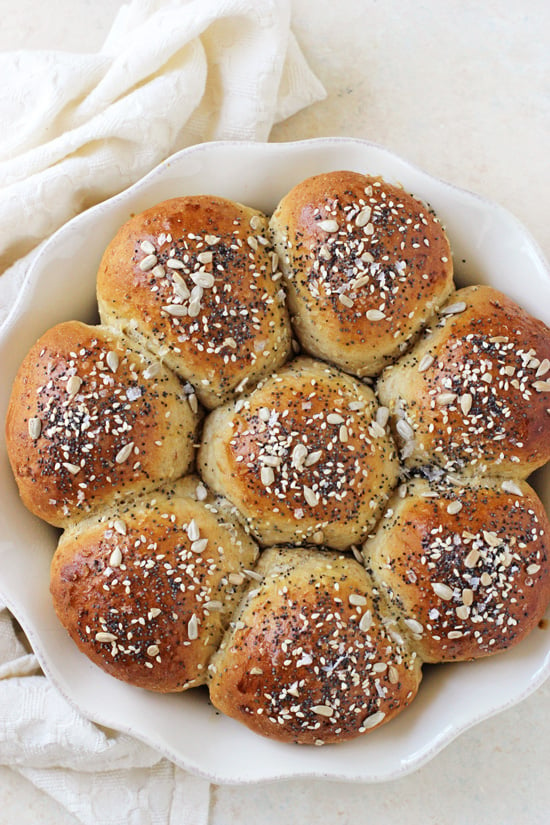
column 461, row 89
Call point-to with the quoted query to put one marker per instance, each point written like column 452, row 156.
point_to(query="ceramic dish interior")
column 489, row 246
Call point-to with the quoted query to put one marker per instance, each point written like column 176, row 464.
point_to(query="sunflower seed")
column 35, row 428
column 442, row 590
column 148, row 263
column 124, row 453
column 328, row 225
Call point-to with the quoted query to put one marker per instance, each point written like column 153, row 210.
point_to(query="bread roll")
column 473, row 395
column 147, row 590
column 466, row 566
column 310, row 656
column 365, row 265
column 303, row 457
column 194, row 280
column 92, row 419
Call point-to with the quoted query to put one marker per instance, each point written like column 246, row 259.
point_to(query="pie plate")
column 489, row 246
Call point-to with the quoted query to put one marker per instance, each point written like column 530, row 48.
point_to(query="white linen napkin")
column 82, row 127
column 101, row 777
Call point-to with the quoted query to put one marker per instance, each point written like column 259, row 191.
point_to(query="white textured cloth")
column 171, row 73
column 82, row 127
column 100, row 777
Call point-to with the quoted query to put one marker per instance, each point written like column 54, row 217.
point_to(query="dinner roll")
column 467, row 566
column 91, row 419
column 305, row 456
column 474, row 394
column 195, row 280
column 365, row 265
column 146, row 591
column 310, row 656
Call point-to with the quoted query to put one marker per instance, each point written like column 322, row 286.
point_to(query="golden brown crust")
column 365, row 265
column 302, row 457
column 468, row 566
column 146, row 591
column 219, row 318
column 310, row 656
column 91, row 419
column 474, row 393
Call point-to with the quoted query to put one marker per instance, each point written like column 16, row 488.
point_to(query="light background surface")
column 461, row 88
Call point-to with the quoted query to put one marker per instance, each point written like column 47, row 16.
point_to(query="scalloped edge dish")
column 489, row 246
